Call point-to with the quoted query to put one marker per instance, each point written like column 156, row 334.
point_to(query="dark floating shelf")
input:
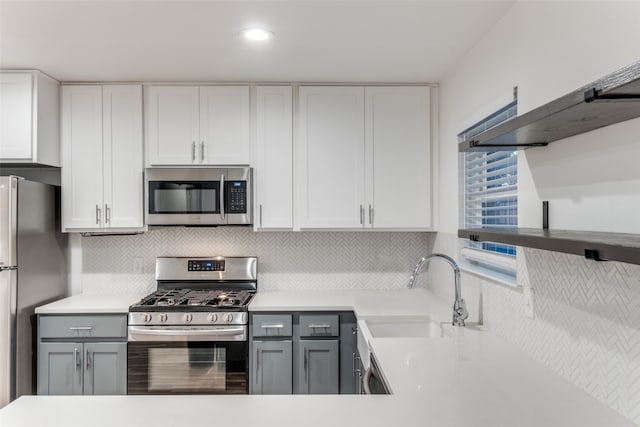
column 598, row 246
column 612, row 99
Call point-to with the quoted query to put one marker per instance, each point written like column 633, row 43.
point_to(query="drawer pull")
column 319, row 325
column 274, row 326
column 80, row 328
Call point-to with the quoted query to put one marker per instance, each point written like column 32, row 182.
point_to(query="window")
column 491, row 195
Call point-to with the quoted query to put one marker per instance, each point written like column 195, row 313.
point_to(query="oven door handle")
column 167, row 334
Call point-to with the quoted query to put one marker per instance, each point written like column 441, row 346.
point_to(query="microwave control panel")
column 236, row 197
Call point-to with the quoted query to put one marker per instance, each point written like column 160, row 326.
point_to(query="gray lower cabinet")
column 317, row 367
column 59, row 368
column 82, row 368
column 271, row 367
column 303, row 353
column 105, row 368
column 82, row 355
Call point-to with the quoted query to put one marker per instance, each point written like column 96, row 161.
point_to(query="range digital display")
column 205, row 265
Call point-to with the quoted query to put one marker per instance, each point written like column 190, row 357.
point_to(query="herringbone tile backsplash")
column 286, row 260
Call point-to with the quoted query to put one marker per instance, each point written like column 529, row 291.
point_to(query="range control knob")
column 228, row 317
column 163, row 317
column 212, row 317
column 188, row 318
column 146, row 317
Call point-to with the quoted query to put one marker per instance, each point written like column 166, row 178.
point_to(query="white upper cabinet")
column 173, row 125
column 190, row 125
column 364, row 158
column 398, row 153
column 225, row 125
column 29, row 118
column 330, row 157
column 273, row 166
column 123, row 151
column 81, row 176
column 102, row 188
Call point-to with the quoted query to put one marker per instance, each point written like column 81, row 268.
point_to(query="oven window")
column 181, row 369
column 184, row 197
column 187, row 368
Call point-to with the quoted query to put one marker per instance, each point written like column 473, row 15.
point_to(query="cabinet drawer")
column 272, row 325
column 108, row 326
column 319, row 325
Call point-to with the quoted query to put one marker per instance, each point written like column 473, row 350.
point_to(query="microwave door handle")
column 222, row 196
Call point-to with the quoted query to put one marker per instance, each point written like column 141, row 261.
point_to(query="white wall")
column 547, row 49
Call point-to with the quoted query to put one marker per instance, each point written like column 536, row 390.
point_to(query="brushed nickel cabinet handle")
column 319, row 325
column 193, row 151
column 202, row 152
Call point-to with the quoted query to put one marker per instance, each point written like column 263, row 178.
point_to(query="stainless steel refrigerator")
column 33, row 271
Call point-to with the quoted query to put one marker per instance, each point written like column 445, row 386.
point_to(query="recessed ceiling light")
column 257, row 34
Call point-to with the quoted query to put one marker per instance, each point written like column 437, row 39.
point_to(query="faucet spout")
column 460, row 312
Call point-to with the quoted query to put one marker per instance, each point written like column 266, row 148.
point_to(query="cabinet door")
column 105, row 368
column 225, row 136
column 271, row 367
column 173, row 125
column 123, row 164
column 60, row 368
column 348, row 354
column 330, row 157
column 317, row 367
column 16, row 100
column 82, row 197
column 274, row 157
column 398, row 153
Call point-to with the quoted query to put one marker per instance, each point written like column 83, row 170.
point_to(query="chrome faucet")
column 459, row 309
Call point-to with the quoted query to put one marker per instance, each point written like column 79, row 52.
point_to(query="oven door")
column 179, row 361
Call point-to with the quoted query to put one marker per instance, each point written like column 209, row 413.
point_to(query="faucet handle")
column 460, row 312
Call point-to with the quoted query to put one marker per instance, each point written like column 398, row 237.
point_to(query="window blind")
column 490, row 189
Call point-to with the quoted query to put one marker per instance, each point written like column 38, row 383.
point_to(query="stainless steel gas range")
column 190, row 336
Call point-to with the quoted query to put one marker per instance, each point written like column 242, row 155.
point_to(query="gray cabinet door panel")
column 60, row 368
column 272, row 367
column 348, row 351
column 317, row 366
column 105, row 368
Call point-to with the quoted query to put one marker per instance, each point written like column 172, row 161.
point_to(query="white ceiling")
column 321, row 41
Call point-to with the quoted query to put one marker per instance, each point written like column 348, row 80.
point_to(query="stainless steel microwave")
column 198, row 196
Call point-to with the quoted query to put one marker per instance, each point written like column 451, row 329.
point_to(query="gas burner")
column 190, row 299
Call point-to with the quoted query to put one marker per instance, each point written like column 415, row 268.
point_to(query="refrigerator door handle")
column 8, row 217
column 8, row 291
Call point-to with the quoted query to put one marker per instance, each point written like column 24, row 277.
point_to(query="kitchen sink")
column 407, row 328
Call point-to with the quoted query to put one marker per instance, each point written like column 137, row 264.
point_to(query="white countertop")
column 90, row 303
column 472, row 379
